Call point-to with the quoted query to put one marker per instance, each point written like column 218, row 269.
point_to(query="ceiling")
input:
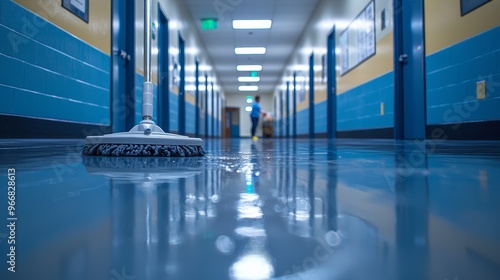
column 289, row 20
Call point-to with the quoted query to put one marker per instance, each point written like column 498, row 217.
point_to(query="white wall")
column 238, row 101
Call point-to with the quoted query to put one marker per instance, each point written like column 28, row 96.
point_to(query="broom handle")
column 147, row 87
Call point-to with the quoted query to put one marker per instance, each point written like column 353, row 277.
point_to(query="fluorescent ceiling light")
column 250, row 50
column 248, row 79
column 248, row 88
column 249, row 67
column 252, row 24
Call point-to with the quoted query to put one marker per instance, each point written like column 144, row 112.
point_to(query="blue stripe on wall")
column 48, row 73
column 359, row 108
column 174, row 112
column 202, row 123
column 210, row 131
column 452, row 74
column 277, row 127
column 320, row 118
column 190, row 118
column 303, row 122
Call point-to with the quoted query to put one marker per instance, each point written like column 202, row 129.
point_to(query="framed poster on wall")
column 467, row 6
column 357, row 42
column 78, row 7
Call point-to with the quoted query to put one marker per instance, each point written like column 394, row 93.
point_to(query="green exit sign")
column 254, row 74
column 209, row 23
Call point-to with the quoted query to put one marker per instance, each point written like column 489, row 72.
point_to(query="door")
column 294, row 102
column 206, row 107
column 163, row 78
column 311, row 96
column 197, row 98
column 123, row 66
column 287, row 110
column 331, row 86
column 231, row 122
column 409, row 70
column 182, row 86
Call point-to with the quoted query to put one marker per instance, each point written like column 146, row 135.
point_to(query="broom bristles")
column 142, row 150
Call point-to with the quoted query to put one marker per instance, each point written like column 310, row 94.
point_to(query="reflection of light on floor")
column 303, row 209
column 250, row 231
column 249, row 206
column 225, row 245
column 483, row 179
column 252, row 267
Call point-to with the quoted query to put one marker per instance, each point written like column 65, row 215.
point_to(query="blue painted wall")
column 303, row 122
column 452, row 74
column 320, row 119
column 174, row 112
column 210, row 131
column 359, row 108
column 190, row 118
column 48, row 73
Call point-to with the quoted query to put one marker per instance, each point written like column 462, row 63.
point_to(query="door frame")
column 287, row 110
column 294, row 101
column 163, row 71
column 206, row 105
column 122, row 98
column 197, row 98
column 311, row 96
column 331, row 97
column 182, row 85
column 409, row 70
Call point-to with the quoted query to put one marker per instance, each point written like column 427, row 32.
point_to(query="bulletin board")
column 467, row 6
column 357, row 42
column 78, row 7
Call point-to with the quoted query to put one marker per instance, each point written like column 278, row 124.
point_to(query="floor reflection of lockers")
column 232, row 123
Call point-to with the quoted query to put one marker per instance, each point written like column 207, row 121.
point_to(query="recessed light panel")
column 250, row 50
column 252, row 24
column 248, row 88
column 249, row 67
column 248, row 79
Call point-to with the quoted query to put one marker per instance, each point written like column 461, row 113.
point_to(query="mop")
column 145, row 139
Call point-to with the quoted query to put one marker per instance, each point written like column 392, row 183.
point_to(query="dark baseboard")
column 381, row 133
column 488, row 130
column 24, row 127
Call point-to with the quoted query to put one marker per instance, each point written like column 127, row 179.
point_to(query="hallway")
column 271, row 209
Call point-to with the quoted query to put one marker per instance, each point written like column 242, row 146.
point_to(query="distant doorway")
column 231, row 123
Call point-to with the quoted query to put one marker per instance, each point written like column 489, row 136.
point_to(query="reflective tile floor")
column 271, row 209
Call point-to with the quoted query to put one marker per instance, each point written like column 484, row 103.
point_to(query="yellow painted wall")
column 190, row 98
column 304, row 104
column 97, row 32
column 444, row 25
column 319, row 88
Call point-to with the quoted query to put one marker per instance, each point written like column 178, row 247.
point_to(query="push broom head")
column 144, row 140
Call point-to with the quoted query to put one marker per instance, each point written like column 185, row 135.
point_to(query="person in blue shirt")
column 254, row 115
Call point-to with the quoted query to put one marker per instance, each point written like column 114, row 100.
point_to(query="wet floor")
column 271, row 209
